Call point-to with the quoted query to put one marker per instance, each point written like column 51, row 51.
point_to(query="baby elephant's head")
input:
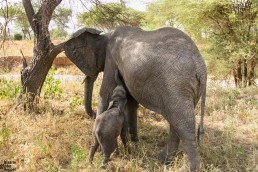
column 119, row 93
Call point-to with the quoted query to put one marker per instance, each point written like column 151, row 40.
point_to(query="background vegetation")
column 225, row 31
column 109, row 16
column 227, row 28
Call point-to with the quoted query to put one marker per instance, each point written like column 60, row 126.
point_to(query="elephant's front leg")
column 102, row 104
column 108, row 84
column 132, row 105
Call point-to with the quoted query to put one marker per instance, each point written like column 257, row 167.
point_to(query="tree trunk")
column 122, row 2
column 251, row 79
column 238, row 74
column 29, row 34
column 24, row 34
column 6, row 22
column 44, row 52
column 35, row 74
column 235, row 77
column 245, row 77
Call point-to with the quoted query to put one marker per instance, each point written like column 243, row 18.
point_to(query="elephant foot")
column 103, row 166
column 190, row 166
column 105, row 162
column 90, row 159
column 128, row 150
column 116, row 152
column 164, row 157
column 134, row 138
column 167, row 155
column 184, row 168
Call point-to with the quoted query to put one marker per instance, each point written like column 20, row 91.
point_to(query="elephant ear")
column 110, row 105
column 79, row 50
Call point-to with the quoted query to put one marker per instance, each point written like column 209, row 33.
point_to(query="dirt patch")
column 12, row 48
column 11, row 63
column 10, row 55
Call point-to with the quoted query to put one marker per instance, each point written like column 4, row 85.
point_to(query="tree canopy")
column 61, row 17
column 229, row 27
column 110, row 15
column 15, row 13
column 9, row 13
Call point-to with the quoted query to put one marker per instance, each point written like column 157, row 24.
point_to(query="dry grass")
column 12, row 48
column 58, row 135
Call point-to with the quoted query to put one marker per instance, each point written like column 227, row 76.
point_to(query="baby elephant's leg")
column 124, row 138
column 93, row 149
column 108, row 145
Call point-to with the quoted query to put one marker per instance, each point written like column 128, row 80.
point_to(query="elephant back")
column 83, row 30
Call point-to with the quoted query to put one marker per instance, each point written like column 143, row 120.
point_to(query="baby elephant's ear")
column 110, row 105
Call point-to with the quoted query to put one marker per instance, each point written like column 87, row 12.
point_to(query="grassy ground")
column 57, row 136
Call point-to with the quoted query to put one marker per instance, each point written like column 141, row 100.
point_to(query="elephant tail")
column 203, row 83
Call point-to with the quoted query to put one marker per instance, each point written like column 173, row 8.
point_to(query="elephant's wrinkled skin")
column 110, row 124
column 162, row 70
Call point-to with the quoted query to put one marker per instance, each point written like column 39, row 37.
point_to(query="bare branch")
column 29, row 11
column 56, row 49
column 122, row 2
column 24, row 63
column 4, row 27
column 46, row 10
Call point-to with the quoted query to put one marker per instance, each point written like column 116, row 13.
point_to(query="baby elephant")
column 111, row 123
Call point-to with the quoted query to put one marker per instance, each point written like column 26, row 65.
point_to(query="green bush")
column 4, row 135
column 51, row 86
column 17, row 36
column 8, row 88
column 78, row 155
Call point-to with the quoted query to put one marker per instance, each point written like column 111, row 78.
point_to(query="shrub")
column 4, row 135
column 17, row 36
column 78, row 155
column 8, row 88
column 76, row 101
column 51, row 86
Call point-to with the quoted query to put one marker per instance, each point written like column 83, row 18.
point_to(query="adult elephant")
column 162, row 70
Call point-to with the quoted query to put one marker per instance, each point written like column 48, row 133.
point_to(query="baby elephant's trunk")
column 117, row 78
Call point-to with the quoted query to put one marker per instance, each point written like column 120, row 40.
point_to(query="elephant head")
column 87, row 50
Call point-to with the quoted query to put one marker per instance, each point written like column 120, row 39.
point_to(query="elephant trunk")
column 88, row 89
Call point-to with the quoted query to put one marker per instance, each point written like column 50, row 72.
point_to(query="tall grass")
column 58, row 136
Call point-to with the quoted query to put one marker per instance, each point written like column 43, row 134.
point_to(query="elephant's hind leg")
column 124, row 138
column 132, row 118
column 185, row 128
column 93, row 149
column 108, row 147
column 171, row 148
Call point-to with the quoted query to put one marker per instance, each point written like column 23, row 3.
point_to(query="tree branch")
column 46, row 10
column 56, row 49
column 29, row 11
